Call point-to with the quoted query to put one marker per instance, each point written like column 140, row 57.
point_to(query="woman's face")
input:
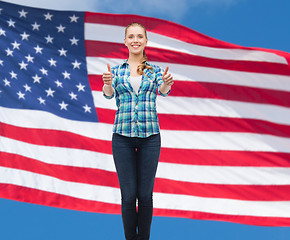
column 135, row 39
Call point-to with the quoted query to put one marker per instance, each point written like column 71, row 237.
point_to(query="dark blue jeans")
column 136, row 161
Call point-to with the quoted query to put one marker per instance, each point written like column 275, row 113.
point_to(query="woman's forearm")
column 108, row 90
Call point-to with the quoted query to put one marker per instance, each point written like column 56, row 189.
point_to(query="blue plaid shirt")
column 136, row 115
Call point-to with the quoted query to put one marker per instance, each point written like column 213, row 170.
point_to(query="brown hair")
column 142, row 66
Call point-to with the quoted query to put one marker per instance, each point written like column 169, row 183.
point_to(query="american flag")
column 225, row 126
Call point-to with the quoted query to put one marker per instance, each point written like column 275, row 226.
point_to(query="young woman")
column 136, row 134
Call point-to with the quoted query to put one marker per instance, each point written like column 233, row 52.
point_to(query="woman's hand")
column 167, row 78
column 108, row 76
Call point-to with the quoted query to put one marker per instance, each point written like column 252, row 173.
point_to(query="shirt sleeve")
column 159, row 73
column 113, row 85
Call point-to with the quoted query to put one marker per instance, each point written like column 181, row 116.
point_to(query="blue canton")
column 43, row 62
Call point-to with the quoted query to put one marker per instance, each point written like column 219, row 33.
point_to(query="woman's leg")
column 148, row 156
column 125, row 156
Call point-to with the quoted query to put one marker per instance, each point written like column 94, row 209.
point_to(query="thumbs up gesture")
column 108, row 76
column 167, row 78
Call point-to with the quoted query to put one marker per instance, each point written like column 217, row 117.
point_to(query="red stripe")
column 251, row 220
column 117, row 50
column 30, row 195
column 205, row 123
column 110, row 179
column 183, row 156
column 217, row 91
column 55, row 138
column 225, row 158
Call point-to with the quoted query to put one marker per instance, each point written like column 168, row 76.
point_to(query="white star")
column 58, row 83
column 74, row 41
column 52, row 62
column 21, row 95
column 11, row 23
column 1, row 62
column 49, row 39
column 16, row 45
column 2, row 32
column 24, row 36
column 73, row 18
column 66, row 75
column 35, row 26
column 41, row 100
column 50, row 92
column 80, row 87
column 23, row 65
column 62, row 52
column 29, row 58
column 44, row 71
column 13, row 75
column 48, row 16
column 36, row 79
column 27, row 88
column 9, row 52
column 38, row 49
column 60, row 28
column 87, row 108
column 63, row 105
column 73, row 96
column 76, row 64
column 6, row 82
column 22, row 13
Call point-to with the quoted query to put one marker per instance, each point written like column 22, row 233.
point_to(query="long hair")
column 142, row 66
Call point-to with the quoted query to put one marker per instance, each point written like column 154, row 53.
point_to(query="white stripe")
column 45, row 120
column 178, row 172
column 224, row 174
column 59, row 155
column 210, row 107
column 98, row 65
column 115, row 34
column 161, row 200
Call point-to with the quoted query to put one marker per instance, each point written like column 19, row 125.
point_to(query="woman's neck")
column 135, row 59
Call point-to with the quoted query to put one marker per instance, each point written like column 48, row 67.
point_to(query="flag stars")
column 6, row 82
column 24, row 36
column 15, row 45
column 21, row 95
column 52, row 62
column 36, row 79
column 48, row 16
column 43, row 71
column 63, row 105
column 58, row 83
column 27, row 88
column 1, row 62
column 74, row 41
column 11, row 23
column 2, row 32
column 73, row 96
column 49, row 39
column 60, row 28
column 87, row 108
column 35, row 26
column 9, row 52
column 41, row 100
column 66, row 75
column 81, row 87
column 49, row 92
column 74, row 18
column 62, row 52
column 13, row 75
column 38, row 49
column 22, row 13
column 29, row 58
column 76, row 64
column 23, row 65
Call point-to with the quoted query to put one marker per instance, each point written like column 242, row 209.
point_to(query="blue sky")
column 252, row 23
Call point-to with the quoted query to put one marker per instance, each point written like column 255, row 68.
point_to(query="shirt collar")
column 125, row 62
